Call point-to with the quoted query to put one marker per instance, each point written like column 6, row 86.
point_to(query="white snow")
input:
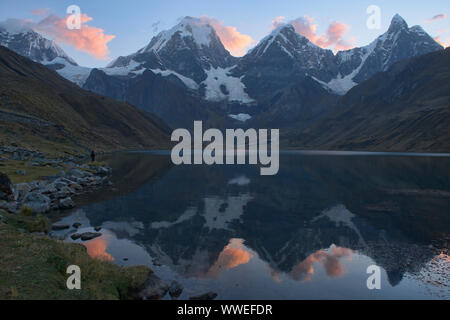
column 243, row 117
column 132, row 68
column 341, row 85
column 191, row 84
column 76, row 74
column 194, row 28
column 218, row 77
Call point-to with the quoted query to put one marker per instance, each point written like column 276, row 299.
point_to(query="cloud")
column 278, row 22
column 88, row 39
column 232, row 256
column 444, row 43
column 97, row 249
column 440, row 16
column 333, row 38
column 234, row 41
column 330, row 260
column 40, row 12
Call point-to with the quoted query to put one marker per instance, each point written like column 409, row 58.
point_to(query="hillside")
column 406, row 109
column 40, row 109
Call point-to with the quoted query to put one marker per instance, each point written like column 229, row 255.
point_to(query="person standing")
column 93, row 156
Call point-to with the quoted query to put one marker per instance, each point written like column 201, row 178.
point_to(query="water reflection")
column 328, row 259
column 309, row 232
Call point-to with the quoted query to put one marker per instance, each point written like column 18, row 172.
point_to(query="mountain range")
column 185, row 74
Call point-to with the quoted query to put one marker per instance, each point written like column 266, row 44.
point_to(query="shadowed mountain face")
column 403, row 109
column 319, row 210
column 40, row 107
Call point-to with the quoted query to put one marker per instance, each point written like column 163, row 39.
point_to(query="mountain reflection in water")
column 308, row 233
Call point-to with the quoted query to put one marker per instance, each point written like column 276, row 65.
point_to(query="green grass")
column 33, row 267
column 11, row 167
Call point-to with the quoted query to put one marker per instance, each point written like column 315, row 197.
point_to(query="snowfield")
column 220, row 77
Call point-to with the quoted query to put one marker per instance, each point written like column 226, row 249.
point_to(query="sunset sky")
column 115, row 28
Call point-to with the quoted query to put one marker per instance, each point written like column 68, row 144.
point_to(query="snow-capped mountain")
column 398, row 43
column 27, row 42
column 192, row 52
column 192, row 55
column 280, row 60
column 31, row 44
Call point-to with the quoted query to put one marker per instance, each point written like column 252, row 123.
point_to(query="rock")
column 33, row 164
column 37, row 202
column 90, row 235
column 103, row 171
column 97, row 229
column 21, row 172
column 49, row 189
column 206, row 296
column 6, row 188
column 64, row 193
column 76, row 225
column 76, row 173
column 156, row 263
column 155, row 289
column 67, row 203
column 76, row 187
column 59, row 227
column 75, row 236
column 125, row 259
column 11, row 207
column 175, row 289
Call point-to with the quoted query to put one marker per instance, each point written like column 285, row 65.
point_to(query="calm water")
column 308, row 233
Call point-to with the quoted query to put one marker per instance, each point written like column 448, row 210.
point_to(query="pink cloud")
column 440, row 16
column 329, row 259
column 88, row 39
column 333, row 38
column 234, row 41
column 444, row 43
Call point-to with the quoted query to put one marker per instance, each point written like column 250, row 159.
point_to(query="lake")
column 309, row 232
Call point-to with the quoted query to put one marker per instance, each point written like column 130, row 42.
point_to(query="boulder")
column 76, row 225
column 175, row 289
column 155, row 289
column 66, row 203
column 6, row 188
column 37, row 202
column 58, row 227
column 50, row 189
column 76, row 173
column 90, row 235
column 75, row 236
column 11, row 207
column 103, row 171
column 64, row 193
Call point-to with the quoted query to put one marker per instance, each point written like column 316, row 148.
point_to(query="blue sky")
column 132, row 22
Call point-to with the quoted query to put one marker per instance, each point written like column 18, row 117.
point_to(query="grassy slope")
column 82, row 119
column 34, row 267
column 404, row 109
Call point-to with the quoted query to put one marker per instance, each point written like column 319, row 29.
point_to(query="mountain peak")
column 285, row 27
column 199, row 30
column 397, row 23
column 22, row 39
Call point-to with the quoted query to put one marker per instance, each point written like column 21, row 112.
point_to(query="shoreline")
column 24, row 218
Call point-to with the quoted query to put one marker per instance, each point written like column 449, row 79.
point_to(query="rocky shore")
column 49, row 193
